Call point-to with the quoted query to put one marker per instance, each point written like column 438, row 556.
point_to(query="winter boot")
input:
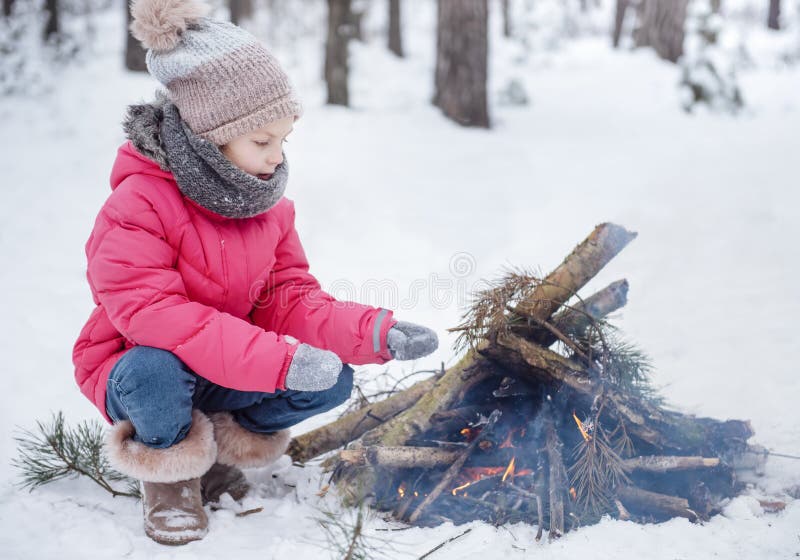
column 170, row 478
column 239, row 448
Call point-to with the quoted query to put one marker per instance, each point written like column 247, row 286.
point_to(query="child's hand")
column 313, row 369
column 408, row 341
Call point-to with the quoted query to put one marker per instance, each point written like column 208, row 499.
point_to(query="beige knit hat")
column 223, row 81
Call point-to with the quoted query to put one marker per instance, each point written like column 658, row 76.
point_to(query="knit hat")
column 223, row 81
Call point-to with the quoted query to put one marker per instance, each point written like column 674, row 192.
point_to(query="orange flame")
column 457, row 488
column 585, row 435
column 401, row 490
column 509, row 470
column 573, row 494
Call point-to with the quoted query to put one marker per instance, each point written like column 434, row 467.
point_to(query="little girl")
column 210, row 338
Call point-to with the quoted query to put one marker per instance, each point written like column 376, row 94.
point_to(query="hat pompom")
column 158, row 24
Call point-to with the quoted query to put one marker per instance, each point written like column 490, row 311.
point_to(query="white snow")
column 401, row 208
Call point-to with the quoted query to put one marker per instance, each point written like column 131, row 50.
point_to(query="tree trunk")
column 461, row 61
column 7, row 7
column 661, row 26
column 619, row 19
column 716, row 6
column 51, row 28
column 134, row 52
column 506, row 18
column 395, row 34
column 774, row 14
column 240, row 10
column 339, row 33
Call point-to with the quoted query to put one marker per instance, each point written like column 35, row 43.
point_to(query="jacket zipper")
column 224, row 268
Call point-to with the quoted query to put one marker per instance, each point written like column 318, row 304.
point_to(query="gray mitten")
column 313, row 369
column 408, row 341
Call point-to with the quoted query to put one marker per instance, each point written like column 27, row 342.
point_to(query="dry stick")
column 399, row 457
column 455, row 468
column 575, row 319
column 353, row 425
column 667, row 463
column 644, row 500
column 440, row 545
column 557, row 473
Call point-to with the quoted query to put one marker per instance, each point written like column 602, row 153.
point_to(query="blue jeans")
column 156, row 391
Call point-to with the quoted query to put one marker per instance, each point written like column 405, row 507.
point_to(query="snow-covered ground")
column 713, row 271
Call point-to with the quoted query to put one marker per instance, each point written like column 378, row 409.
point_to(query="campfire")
column 548, row 419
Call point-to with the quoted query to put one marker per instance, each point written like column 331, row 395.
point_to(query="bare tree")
column 506, row 18
column 774, row 14
column 240, row 10
column 51, row 28
column 661, row 26
column 395, row 34
column 134, row 52
column 461, row 61
column 340, row 31
column 619, row 19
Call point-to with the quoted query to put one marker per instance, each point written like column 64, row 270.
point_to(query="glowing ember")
column 507, row 442
column 584, row 433
column 509, row 470
column 465, row 432
column 401, row 490
column 573, row 494
column 457, row 488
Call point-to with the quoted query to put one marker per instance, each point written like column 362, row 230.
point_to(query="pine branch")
column 55, row 451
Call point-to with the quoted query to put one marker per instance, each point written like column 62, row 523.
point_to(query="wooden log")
column 645, row 501
column 455, row 468
column 580, row 266
column 417, row 419
column 668, row 463
column 353, row 425
column 399, row 457
column 557, row 473
column 661, row 428
column 577, row 318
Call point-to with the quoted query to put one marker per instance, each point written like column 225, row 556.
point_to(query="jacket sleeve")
column 292, row 303
column 131, row 269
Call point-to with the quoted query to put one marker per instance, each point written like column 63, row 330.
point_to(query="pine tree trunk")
column 134, row 52
column 7, row 6
column 619, row 19
column 461, row 61
column 774, row 14
column 240, row 10
column 51, row 28
column 661, row 26
column 506, row 18
column 395, row 34
column 339, row 20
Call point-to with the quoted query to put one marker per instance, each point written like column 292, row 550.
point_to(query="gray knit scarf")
column 201, row 170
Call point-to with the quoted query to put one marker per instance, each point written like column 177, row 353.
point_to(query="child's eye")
column 267, row 143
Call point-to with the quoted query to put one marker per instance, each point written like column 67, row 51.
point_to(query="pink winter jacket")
column 219, row 293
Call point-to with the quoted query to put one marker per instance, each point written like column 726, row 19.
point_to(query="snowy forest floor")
column 713, row 296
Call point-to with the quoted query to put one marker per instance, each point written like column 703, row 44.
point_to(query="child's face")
column 259, row 152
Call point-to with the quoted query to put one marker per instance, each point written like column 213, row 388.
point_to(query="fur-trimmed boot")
column 170, row 478
column 238, row 448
